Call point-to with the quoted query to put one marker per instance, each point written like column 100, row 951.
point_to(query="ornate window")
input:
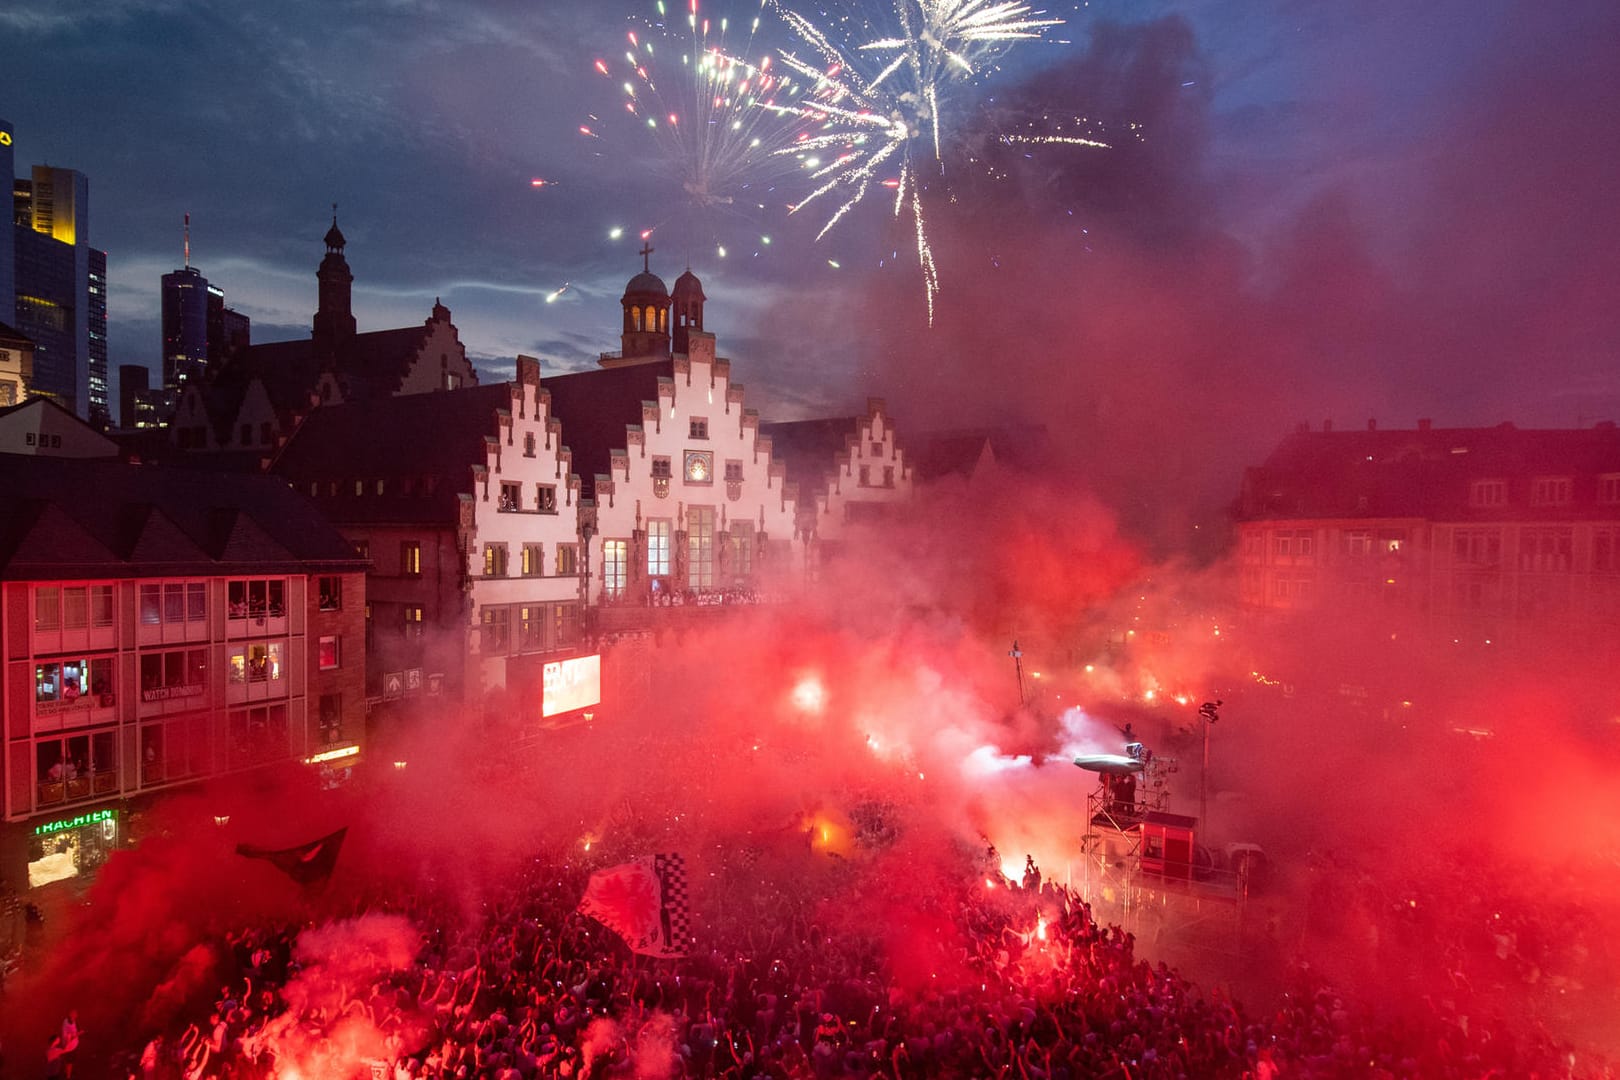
column 615, row 567
column 658, row 540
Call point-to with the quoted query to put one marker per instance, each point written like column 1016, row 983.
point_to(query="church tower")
column 687, row 308
column 334, row 318
column 646, row 313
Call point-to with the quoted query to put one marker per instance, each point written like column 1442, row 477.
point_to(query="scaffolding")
column 1111, row 848
column 1142, row 870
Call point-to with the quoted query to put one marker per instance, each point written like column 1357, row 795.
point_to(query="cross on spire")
column 646, row 250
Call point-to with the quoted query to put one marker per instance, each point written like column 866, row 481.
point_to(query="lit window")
column 494, row 560
column 615, row 567
column 328, row 653
column 658, row 537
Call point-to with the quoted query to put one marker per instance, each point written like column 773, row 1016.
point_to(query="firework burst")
column 875, row 101
column 716, row 116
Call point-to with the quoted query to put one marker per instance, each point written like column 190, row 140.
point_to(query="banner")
column 306, row 864
column 644, row 902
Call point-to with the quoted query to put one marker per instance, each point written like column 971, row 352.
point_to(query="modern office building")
column 58, row 282
column 140, row 404
column 185, row 326
column 199, row 331
column 8, row 245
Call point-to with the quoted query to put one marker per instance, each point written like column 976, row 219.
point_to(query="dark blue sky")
column 1349, row 210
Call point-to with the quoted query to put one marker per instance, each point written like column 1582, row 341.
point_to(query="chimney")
column 1425, row 424
column 1327, row 425
column 1372, row 425
column 528, row 371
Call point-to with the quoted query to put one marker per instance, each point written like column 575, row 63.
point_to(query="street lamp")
column 1208, row 712
column 1018, row 665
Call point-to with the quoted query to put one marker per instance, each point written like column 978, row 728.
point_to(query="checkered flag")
column 645, row 902
column 676, row 910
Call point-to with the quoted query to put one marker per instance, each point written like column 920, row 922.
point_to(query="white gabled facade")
column 694, row 508
column 519, row 534
column 871, row 473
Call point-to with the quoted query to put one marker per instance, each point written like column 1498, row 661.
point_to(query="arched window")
column 635, row 315
column 663, row 320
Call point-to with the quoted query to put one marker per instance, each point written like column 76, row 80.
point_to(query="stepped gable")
column 810, row 448
column 595, row 407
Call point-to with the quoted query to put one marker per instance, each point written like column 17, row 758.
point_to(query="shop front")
column 72, row 846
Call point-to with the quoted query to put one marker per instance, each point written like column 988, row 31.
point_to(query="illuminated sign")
column 332, row 755
column 64, row 824
column 571, row 684
column 5, row 137
column 166, row 693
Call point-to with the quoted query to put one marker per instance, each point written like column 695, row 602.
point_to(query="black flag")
column 306, row 864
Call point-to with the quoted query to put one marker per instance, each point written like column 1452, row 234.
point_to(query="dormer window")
column 1551, row 491
column 698, row 427
column 1487, row 493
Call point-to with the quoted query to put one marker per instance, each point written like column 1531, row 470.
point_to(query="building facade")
column 1480, row 535
column 466, row 504
column 848, row 472
column 177, row 626
column 684, row 504
column 254, row 398
column 16, row 366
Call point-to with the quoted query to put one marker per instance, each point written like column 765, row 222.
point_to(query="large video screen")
column 571, row 684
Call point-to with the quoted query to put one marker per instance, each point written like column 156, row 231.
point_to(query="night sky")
column 1326, row 210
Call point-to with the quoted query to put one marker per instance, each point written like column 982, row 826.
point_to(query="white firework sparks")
column 870, row 120
column 712, row 113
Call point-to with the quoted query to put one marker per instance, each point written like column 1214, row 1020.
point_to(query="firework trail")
column 876, row 102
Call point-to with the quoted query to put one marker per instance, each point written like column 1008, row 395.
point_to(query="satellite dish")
column 1111, row 764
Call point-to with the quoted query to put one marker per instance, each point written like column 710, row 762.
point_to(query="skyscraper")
column 185, row 327
column 60, row 283
column 8, row 246
column 198, row 329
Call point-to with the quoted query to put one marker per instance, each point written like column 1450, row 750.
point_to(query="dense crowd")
column 979, row 978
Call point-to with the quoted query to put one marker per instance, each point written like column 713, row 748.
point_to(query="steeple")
column 687, row 308
column 334, row 318
column 646, row 312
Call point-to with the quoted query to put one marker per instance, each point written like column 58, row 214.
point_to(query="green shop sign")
column 75, row 822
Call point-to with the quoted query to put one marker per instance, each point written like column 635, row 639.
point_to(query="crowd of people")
column 820, row 970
